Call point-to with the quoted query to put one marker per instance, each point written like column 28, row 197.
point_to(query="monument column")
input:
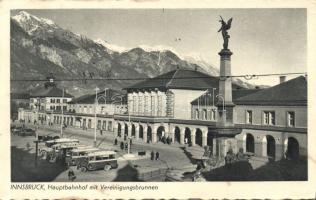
column 225, row 104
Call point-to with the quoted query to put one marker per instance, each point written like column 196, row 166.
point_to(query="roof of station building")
column 292, row 92
column 180, row 79
column 51, row 91
column 207, row 98
column 111, row 96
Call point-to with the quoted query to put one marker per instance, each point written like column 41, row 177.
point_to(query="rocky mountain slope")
column 40, row 47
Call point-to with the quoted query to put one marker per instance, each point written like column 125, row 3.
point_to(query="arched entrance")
column 198, row 137
column 160, row 133
column 250, row 143
column 210, row 138
column 149, row 134
column 293, row 148
column 126, row 130
column 187, row 134
column 270, row 147
column 119, row 130
column 141, row 132
column 133, row 130
column 177, row 134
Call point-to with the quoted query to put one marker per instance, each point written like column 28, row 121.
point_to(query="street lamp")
column 95, row 112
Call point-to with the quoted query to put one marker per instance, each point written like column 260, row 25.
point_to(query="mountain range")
column 39, row 47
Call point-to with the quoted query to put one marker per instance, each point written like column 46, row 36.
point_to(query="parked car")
column 52, row 147
column 27, row 132
column 16, row 130
column 98, row 160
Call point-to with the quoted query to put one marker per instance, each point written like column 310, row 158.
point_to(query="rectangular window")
column 146, row 104
column 104, row 125
column 134, row 104
column 140, row 105
column 64, row 107
column 58, row 100
column 291, row 119
column 213, row 117
column 89, row 123
column 159, row 105
column 110, row 125
column 269, row 117
column 204, row 114
column 99, row 124
column 197, row 114
column 248, row 117
column 64, row 100
column 152, row 105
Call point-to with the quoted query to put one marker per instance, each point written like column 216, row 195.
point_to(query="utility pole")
column 62, row 114
column 95, row 117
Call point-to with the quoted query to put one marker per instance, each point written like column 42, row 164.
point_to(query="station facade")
column 269, row 123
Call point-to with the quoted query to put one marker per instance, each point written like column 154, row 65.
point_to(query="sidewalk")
column 106, row 134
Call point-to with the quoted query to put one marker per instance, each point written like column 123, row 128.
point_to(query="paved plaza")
column 172, row 160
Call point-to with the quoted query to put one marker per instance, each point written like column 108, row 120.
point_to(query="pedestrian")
column 115, row 141
column 122, row 145
column 126, row 146
column 185, row 140
column 100, row 131
column 163, row 139
column 71, row 175
column 157, row 155
column 152, row 155
column 168, row 140
column 28, row 146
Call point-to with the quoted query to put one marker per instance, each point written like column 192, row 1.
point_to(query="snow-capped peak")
column 111, row 47
column 160, row 48
column 31, row 23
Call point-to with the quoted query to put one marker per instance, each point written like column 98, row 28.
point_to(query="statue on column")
column 225, row 26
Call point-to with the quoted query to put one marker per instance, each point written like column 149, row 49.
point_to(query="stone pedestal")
column 225, row 105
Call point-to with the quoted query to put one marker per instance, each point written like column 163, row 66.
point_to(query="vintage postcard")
column 157, row 99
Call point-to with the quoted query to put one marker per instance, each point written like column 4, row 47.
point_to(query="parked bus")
column 75, row 156
column 98, row 160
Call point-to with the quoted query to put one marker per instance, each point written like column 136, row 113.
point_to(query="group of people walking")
column 152, row 155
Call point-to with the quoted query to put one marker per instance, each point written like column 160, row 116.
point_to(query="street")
column 172, row 159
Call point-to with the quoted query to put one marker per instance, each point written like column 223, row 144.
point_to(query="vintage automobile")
column 98, row 160
column 60, row 151
column 77, row 155
column 48, row 148
column 27, row 132
column 16, row 130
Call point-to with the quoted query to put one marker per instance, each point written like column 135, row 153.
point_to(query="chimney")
column 282, row 79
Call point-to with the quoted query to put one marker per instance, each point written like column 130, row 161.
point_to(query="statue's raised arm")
column 225, row 26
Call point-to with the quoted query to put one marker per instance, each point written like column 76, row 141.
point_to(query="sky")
column 262, row 40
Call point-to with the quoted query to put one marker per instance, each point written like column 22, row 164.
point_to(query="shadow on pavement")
column 23, row 167
column 283, row 170
column 126, row 174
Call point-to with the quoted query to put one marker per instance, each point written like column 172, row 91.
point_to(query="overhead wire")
column 247, row 77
